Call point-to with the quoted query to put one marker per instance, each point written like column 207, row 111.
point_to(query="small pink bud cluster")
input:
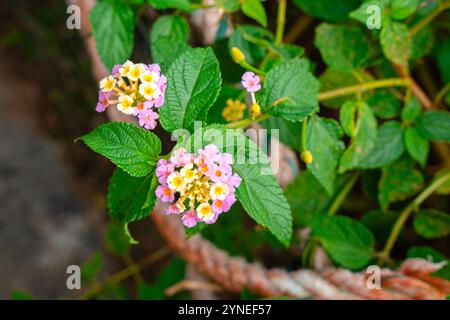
column 200, row 187
column 135, row 89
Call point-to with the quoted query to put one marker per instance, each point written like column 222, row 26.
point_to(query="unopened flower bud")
column 254, row 110
column 237, row 55
column 307, row 157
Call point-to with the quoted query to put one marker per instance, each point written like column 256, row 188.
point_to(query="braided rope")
column 411, row 281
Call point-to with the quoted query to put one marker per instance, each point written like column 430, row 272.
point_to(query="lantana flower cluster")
column 136, row 89
column 199, row 187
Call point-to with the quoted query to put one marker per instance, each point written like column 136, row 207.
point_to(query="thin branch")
column 187, row 284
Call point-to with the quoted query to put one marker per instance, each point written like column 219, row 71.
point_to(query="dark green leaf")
column 432, row 223
column 399, row 181
column 434, row 125
column 384, row 104
column 380, row 223
column 416, row 146
column 425, row 252
column 346, row 240
column 113, row 30
column 290, row 91
column 133, row 149
column 411, row 110
column 443, row 272
column 193, row 86
column 328, row 10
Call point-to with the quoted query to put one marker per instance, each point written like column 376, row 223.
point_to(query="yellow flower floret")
column 234, row 110
column 107, row 84
column 205, row 212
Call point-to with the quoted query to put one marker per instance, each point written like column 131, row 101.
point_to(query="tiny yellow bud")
column 254, row 110
column 237, row 55
column 307, row 157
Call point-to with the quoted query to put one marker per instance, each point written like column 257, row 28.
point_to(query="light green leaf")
column 402, row 9
column 184, row 5
column 255, row 10
column 170, row 26
column 166, row 50
column 366, row 14
column 343, row 48
column 326, row 147
column 434, row 125
column 425, row 252
column 193, row 86
column 399, row 181
column 432, row 224
column 113, row 30
column 290, row 91
column 416, row 146
column 443, row 272
column 91, row 268
column 347, row 117
column 412, row 110
column 363, row 140
column 346, row 240
column 131, row 198
column 396, row 43
column 388, row 146
column 133, row 149
column 259, row 192
column 445, row 188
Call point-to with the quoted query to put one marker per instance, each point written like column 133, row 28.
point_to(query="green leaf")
column 416, row 146
column 388, row 146
column 133, row 149
column 347, row 117
column 380, row 223
column 399, row 181
column 91, row 268
column 365, row 14
column 255, row 10
column 259, row 192
column 116, row 240
column 166, row 50
column 343, row 48
column 432, row 224
column 412, row 110
column 402, row 9
column 332, row 79
column 443, row 60
column 131, row 198
column 434, row 125
column 363, row 140
column 328, row 10
column 245, row 38
column 425, row 252
column 326, row 147
column 346, row 240
column 396, row 43
column 289, row 132
column 445, row 188
column 170, row 26
column 307, row 198
column 184, row 5
column 290, row 91
column 384, row 104
column 422, row 42
column 113, row 30
column 215, row 113
column 21, row 295
column 193, row 86
column 443, row 272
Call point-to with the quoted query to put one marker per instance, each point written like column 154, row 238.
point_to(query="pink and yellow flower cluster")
column 200, row 187
column 135, row 89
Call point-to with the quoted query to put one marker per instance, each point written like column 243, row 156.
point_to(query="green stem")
column 404, row 215
column 422, row 23
column 392, row 82
column 281, row 20
column 244, row 64
column 441, row 94
column 342, row 195
column 246, row 122
column 304, row 128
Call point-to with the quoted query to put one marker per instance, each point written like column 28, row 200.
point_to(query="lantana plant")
column 352, row 110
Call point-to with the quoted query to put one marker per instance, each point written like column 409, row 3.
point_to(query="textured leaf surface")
column 399, row 181
column 113, row 30
column 193, row 85
column 346, row 240
column 131, row 198
column 290, row 91
column 326, row 147
column 432, row 223
column 434, row 125
column 131, row 148
column 396, row 43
